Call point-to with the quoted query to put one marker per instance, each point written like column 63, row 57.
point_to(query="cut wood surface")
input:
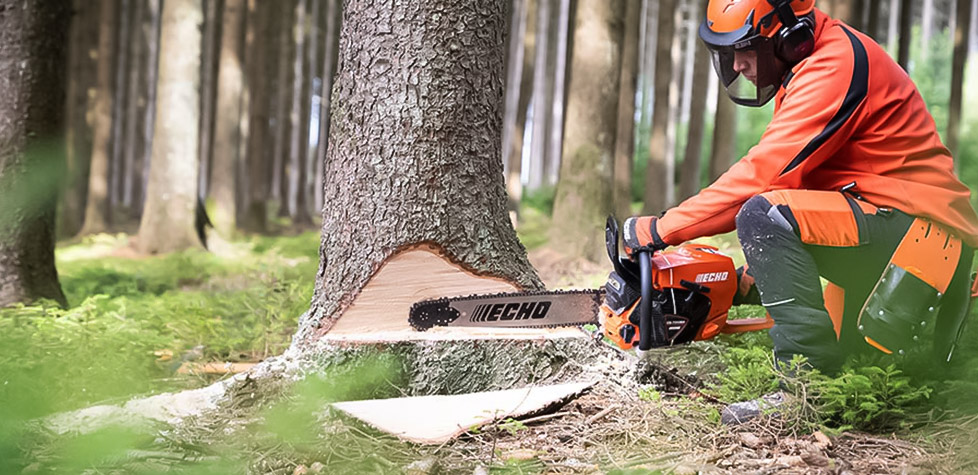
column 215, row 367
column 380, row 311
column 438, row 419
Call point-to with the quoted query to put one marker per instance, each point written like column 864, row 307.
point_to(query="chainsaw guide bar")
column 535, row 309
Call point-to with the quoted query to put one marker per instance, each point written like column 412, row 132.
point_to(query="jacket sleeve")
column 817, row 115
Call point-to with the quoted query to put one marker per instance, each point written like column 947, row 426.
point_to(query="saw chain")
column 534, row 309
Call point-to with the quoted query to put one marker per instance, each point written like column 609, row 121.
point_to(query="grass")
column 127, row 316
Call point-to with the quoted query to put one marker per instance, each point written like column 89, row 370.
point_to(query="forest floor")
column 134, row 321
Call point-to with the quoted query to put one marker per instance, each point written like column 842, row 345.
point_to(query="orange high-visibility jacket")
column 847, row 113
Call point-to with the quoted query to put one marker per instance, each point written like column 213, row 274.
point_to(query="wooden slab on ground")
column 438, row 419
column 380, row 311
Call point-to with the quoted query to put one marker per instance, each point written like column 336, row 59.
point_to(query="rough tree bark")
column 413, row 166
column 658, row 175
column 97, row 212
column 625, row 140
column 585, row 189
column 83, row 36
column 724, row 135
column 227, row 121
column 959, row 59
column 690, row 177
column 167, row 224
column 32, row 88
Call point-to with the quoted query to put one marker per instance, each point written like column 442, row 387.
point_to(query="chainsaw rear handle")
column 652, row 323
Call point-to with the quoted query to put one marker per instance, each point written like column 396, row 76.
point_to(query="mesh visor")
column 747, row 68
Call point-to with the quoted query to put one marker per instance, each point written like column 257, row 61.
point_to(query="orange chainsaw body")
column 694, row 285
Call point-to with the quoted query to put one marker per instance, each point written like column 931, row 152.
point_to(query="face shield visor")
column 745, row 63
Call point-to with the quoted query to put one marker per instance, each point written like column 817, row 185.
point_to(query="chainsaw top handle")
column 652, row 325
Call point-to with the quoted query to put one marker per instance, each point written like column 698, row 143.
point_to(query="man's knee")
column 759, row 215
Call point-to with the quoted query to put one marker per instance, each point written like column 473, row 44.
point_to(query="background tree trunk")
column 541, row 93
column 297, row 118
column 959, row 59
column 519, row 73
column 724, row 135
column 625, row 139
column 227, row 121
column 906, row 23
column 82, row 65
column 283, row 100
column 120, row 57
column 167, row 224
column 334, row 12
column 585, row 190
column 255, row 217
column 873, row 19
column 560, row 46
column 149, row 117
column 135, row 105
column 209, row 64
column 32, row 88
column 691, row 176
column 422, row 149
column 658, row 175
column 97, row 211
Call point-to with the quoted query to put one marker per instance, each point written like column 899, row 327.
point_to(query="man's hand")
column 640, row 235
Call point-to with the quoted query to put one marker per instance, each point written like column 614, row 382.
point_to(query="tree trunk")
column 690, row 184
column 541, row 94
column 255, row 218
column 209, row 63
column 414, row 160
column 119, row 92
column 32, row 93
column 97, row 212
column 314, row 66
column 958, row 61
column 926, row 28
column 557, row 63
column 297, row 118
column 136, row 103
column 724, row 135
column 78, row 131
column 149, row 121
column 873, row 19
column 585, row 190
column 658, row 175
column 283, row 99
column 227, row 120
column 906, row 23
column 625, row 139
column 334, row 12
column 518, row 78
column 167, row 224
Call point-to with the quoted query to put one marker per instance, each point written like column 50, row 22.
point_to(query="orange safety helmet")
column 754, row 42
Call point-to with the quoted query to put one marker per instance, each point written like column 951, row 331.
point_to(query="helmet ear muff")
column 796, row 38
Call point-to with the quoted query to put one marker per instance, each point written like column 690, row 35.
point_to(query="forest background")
column 137, row 296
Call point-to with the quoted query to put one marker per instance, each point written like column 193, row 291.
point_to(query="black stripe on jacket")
column 854, row 96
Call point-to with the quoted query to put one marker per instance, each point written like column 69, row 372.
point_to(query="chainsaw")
column 657, row 299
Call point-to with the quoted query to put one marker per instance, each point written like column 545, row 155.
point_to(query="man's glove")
column 640, row 235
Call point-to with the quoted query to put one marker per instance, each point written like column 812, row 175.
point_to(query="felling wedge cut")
column 438, row 419
column 380, row 311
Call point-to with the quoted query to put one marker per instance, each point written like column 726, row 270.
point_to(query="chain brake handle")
column 652, row 323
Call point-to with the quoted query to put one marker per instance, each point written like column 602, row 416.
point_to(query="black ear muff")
column 796, row 39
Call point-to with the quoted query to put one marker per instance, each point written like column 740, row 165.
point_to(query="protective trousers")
column 791, row 237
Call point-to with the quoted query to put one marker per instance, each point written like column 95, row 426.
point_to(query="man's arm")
column 818, row 115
